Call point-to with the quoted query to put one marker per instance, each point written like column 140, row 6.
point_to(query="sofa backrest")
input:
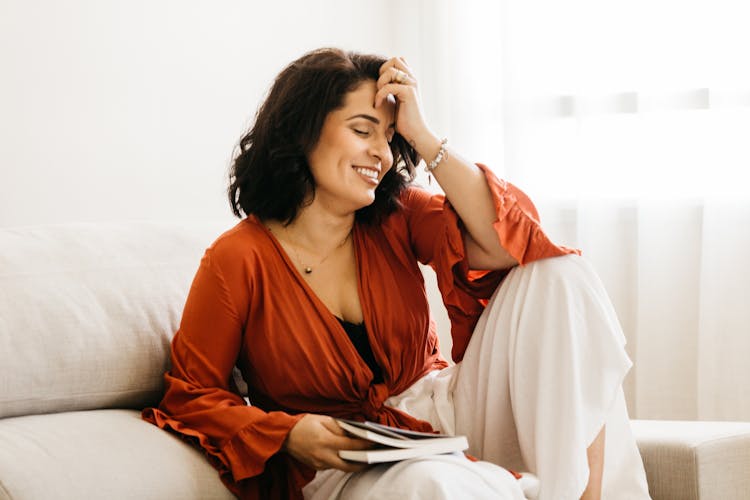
column 87, row 311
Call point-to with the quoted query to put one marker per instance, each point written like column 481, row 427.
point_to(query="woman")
column 316, row 296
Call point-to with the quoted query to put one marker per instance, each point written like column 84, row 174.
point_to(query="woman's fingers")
column 350, row 443
column 342, row 441
column 396, row 62
column 347, row 466
column 395, row 73
column 317, row 441
column 399, row 83
column 328, row 457
column 333, row 426
column 347, row 443
column 400, row 92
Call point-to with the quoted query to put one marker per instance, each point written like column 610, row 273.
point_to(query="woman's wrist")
column 427, row 145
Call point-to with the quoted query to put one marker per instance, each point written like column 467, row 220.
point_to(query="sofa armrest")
column 688, row 460
column 101, row 454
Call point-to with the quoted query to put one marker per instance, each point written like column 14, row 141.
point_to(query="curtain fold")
column 627, row 124
column 678, row 275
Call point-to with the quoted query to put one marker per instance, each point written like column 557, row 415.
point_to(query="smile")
column 369, row 173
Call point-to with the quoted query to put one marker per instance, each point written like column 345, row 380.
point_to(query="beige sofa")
column 87, row 312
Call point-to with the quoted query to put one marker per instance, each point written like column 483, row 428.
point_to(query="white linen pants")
column 541, row 375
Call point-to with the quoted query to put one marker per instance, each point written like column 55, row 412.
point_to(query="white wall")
column 115, row 110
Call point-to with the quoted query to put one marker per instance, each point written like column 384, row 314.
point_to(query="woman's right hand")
column 315, row 441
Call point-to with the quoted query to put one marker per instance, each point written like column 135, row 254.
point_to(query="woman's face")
column 353, row 152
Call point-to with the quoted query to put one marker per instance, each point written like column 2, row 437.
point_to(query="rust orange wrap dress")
column 249, row 306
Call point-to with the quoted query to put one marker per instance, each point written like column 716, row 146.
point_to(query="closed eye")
column 364, row 133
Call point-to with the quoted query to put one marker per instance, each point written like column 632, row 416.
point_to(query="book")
column 394, row 444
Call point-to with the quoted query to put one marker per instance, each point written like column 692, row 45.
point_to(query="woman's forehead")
column 362, row 101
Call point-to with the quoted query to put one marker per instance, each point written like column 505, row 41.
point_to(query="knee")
column 551, row 273
column 571, row 299
column 552, row 292
column 553, row 303
column 564, row 276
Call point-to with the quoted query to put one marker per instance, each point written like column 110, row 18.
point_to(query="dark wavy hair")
column 269, row 176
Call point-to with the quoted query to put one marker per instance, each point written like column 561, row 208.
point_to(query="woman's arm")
column 198, row 400
column 465, row 185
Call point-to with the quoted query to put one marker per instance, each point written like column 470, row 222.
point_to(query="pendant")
column 308, row 270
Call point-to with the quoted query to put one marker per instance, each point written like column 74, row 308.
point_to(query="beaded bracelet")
column 441, row 154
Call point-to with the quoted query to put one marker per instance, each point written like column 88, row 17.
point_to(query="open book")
column 393, row 444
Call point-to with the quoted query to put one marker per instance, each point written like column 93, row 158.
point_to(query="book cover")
column 393, row 444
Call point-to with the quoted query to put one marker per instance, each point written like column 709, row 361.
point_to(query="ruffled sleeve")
column 437, row 237
column 200, row 403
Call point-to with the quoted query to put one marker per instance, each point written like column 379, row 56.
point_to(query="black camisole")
column 358, row 335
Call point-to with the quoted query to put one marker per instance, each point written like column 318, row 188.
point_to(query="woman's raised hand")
column 397, row 79
column 315, row 441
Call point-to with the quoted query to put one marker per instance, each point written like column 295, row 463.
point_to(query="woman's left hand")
column 397, row 79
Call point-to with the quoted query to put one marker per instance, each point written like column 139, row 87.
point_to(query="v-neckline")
column 341, row 332
column 306, row 286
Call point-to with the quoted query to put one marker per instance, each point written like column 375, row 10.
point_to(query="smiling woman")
column 318, row 298
column 288, row 126
column 353, row 154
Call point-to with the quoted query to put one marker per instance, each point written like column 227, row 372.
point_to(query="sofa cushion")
column 87, row 311
column 695, row 460
column 100, row 454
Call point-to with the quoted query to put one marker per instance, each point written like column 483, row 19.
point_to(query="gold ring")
column 400, row 76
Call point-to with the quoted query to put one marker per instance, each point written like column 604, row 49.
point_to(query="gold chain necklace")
column 307, row 268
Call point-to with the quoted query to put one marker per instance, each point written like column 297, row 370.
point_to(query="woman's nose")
column 381, row 149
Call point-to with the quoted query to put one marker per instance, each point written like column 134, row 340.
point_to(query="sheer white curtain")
column 629, row 124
